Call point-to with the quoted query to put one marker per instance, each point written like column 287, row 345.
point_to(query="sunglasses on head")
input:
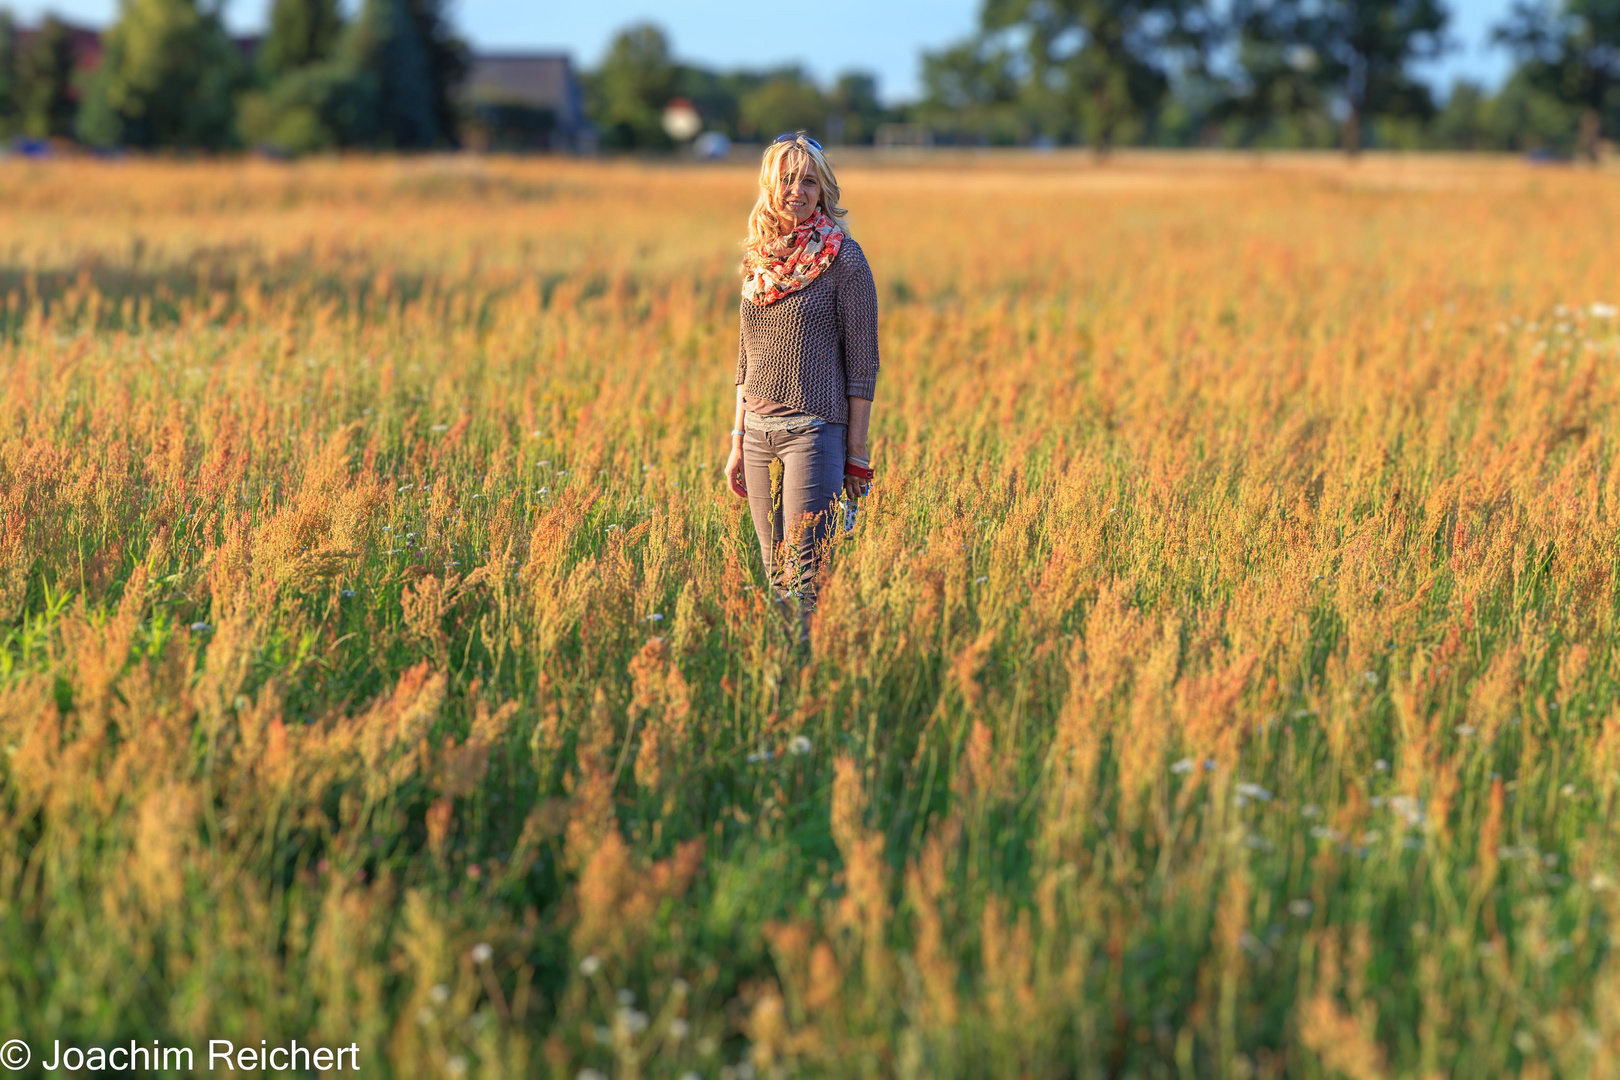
column 789, row 136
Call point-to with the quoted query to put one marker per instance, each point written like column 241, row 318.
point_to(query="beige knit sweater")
column 814, row 349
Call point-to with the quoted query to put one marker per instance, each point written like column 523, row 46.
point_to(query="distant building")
column 525, row 101
column 86, row 44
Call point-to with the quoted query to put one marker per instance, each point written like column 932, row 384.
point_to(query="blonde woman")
column 807, row 364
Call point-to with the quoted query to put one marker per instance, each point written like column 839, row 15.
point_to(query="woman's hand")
column 734, row 471
column 854, row 486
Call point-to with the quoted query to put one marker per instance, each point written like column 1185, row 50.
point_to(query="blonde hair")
column 769, row 221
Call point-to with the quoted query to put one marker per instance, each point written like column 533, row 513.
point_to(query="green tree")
column 786, row 101
column 1355, row 53
column 1105, row 63
column 8, row 72
column 1571, row 51
column 301, row 33
column 972, row 91
column 627, row 94
column 406, row 64
column 46, row 103
column 855, row 110
column 167, row 78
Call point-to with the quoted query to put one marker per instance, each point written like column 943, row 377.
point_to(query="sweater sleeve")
column 742, row 350
column 857, row 319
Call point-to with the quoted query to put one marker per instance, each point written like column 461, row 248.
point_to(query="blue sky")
column 882, row 36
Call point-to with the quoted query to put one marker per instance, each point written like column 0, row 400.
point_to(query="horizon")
column 724, row 35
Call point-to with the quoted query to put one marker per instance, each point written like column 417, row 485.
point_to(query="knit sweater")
column 815, row 349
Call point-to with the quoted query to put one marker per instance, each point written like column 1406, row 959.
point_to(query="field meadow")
column 1221, row 680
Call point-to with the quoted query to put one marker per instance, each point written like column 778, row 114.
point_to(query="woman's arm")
column 857, row 318
column 860, row 419
column 734, row 462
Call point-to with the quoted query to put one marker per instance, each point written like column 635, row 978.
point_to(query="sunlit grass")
column 1220, row 681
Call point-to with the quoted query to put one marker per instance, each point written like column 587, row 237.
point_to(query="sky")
column 881, row 36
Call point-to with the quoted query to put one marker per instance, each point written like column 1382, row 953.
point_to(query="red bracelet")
column 860, row 472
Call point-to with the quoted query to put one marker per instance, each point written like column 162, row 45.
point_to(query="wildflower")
column 980, row 580
column 1185, row 765
column 200, row 628
column 654, row 617
column 635, row 1020
column 407, row 487
column 481, row 953
column 1310, row 810
column 625, row 997
column 456, row 1066
column 348, row 594
column 542, row 491
column 439, row 994
column 440, row 427
column 758, row 756
column 1466, row 730
column 1301, row 908
column 678, row 1029
column 1381, row 765
column 590, row 1074
column 1603, row 311
column 1247, row 790
column 680, row 987
column 589, row 966
column 798, row 746
column 1407, row 807
column 1567, row 790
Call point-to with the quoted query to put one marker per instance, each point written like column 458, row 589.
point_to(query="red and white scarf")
column 794, row 261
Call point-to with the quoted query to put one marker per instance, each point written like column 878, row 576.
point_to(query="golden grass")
column 1220, row 682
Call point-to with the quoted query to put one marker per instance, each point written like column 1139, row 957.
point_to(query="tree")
column 46, row 104
column 627, row 94
column 1571, row 51
column 786, row 101
column 301, row 33
column 407, row 64
column 1106, row 62
column 1356, row 52
column 973, row 90
column 8, row 71
column 167, row 78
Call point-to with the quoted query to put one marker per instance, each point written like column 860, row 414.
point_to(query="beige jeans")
column 812, row 476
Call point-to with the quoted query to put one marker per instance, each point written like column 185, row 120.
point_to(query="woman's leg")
column 812, row 475
column 757, row 457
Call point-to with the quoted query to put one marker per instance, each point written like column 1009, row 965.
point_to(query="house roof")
column 540, row 80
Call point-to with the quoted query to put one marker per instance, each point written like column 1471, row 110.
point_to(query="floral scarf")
column 794, row 261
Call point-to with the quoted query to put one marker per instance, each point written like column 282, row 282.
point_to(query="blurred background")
column 294, row 77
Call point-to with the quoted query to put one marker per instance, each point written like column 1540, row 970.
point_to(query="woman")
column 807, row 363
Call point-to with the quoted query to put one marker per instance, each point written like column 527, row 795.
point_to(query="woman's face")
column 801, row 194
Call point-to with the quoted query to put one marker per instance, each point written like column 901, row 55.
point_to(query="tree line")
column 169, row 76
column 1101, row 73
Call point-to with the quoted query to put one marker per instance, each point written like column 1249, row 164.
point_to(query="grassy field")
column 1221, row 680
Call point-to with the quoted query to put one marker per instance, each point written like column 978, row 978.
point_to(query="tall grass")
column 1220, row 681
